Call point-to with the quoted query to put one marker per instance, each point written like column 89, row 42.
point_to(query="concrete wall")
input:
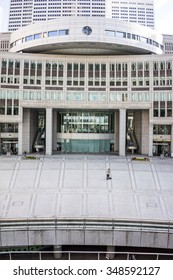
column 54, row 130
column 137, row 128
column 145, row 132
column 86, row 237
column 116, row 131
column 30, row 128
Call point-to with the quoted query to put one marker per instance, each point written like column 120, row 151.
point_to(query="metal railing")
column 83, row 255
column 86, row 224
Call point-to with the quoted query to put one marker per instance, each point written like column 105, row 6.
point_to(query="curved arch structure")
column 92, row 36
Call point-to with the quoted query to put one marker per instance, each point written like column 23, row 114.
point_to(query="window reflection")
column 86, row 122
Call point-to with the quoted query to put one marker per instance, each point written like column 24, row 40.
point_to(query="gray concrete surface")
column 75, row 186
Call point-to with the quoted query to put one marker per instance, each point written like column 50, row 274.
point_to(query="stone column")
column 116, row 131
column 150, row 142
column 137, row 128
column 150, row 136
column 172, row 141
column 26, row 129
column 122, row 132
column 145, row 132
column 57, row 251
column 20, row 138
column 30, row 128
column 54, row 130
column 110, row 255
column 49, row 131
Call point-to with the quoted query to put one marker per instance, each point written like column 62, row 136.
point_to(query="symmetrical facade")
column 63, row 102
column 25, row 12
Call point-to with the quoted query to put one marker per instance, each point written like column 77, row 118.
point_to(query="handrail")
column 100, row 254
column 87, row 224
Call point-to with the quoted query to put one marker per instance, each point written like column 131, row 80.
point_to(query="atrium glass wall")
column 85, row 122
column 85, row 132
column 84, row 146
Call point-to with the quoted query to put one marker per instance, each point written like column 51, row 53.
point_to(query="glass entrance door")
column 161, row 149
column 85, row 146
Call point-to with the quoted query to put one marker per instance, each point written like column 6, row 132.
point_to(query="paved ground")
column 76, row 186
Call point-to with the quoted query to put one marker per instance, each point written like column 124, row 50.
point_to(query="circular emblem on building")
column 87, row 30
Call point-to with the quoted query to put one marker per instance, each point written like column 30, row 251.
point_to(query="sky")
column 163, row 15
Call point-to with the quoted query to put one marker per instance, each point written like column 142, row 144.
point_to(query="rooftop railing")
column 86, row 224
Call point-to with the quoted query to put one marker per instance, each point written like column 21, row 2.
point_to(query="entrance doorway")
column 9, row 147
column 161, row 149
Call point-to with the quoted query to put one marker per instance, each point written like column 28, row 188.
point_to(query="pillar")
column 20, row 138
column 49, row 131
column 57, row 251
column 172, row 141
column 110, row 255
column 122, row 132
column 150, row 142
column 54, row 130
column 116, row 131
column 30, row 128
column 137, row 128
column 145, row 132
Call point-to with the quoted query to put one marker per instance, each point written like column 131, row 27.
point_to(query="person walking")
column 108, row 174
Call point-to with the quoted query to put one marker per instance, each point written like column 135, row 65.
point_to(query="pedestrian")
column 108, row 174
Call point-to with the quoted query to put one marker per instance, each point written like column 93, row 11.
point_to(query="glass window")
column 162, row 112
column 110, row 33
column 144, row 39
column 156, row 113
column 135, row 37
column 52, row 33
column 33, row 64
column 93, row 96
column 86, row 122
column 2, row 106
column 28, row 38
column 120, row 34
column 37, row 36
column 17, row 64
column 63, row 32
column 48, row 65
column 26, row 64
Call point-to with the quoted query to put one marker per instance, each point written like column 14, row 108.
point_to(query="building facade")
column 5, row 41
column 103, row 101
column 25, row 12
column 139, row 11
column 168, row 43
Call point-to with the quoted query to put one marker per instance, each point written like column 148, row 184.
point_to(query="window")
column 110, row 33
column 120, row 34
column 64, row 32
column 28, row 38
column 52, row 33
column 37, row 36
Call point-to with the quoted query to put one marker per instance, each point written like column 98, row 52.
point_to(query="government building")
column 91, row 96
column 68, row 85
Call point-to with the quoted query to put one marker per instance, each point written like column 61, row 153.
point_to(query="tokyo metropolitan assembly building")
column 85, row 77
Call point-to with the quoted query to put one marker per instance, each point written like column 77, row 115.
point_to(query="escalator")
column 39, row 143
column 132, row 144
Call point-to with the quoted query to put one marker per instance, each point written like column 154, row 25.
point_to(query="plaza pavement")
column 75, row 186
